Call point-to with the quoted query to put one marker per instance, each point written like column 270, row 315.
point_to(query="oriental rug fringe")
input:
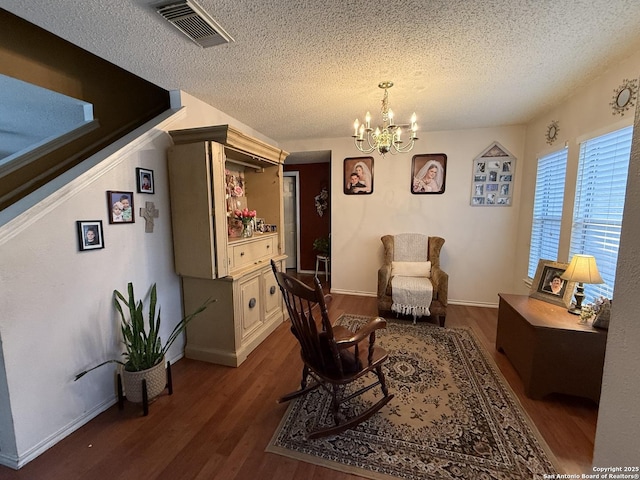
column 453, row 415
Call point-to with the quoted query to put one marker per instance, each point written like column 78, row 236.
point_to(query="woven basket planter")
column 155, row 376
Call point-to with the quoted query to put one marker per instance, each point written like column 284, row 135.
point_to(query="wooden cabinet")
column 210, row 259
column 549, row 348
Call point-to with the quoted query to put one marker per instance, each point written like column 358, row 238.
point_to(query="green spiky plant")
column 143, row 347
column 322, row 245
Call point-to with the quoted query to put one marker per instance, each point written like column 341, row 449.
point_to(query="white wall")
column 56, row 301
column 619, row 417
column 479, row 251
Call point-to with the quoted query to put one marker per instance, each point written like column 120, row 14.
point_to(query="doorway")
column 291, row 201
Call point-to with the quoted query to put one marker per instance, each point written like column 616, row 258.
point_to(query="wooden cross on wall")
column 149, row 212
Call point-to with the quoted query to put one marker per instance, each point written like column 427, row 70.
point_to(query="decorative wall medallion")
column 552, row 132
column 624, row 96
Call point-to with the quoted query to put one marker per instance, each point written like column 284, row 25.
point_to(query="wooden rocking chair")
column 331, row 354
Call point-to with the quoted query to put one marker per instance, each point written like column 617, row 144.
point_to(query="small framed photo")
column 234, row 227
column 260, row 225
column 120, row 207
column 358, row 176
column 144, row 180
column 90, row 236
column 549, row 287
column 428, row 173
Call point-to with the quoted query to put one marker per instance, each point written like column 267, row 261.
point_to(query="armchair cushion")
column 411, row 269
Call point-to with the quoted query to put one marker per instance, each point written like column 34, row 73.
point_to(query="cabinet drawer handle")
column 242, row 254
column 272, row 290
column 252, row 303
column 268, row 246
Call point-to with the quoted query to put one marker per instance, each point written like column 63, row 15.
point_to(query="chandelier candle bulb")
column 356, row 124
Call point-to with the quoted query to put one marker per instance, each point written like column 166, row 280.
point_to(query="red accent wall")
column 313, row 176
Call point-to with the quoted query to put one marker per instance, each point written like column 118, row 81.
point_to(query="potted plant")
column 144, row 351
column 322, row 245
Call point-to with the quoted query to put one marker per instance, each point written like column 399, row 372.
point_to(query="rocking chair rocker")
column 332, row 355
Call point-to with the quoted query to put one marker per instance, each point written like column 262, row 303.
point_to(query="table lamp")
column 582, row 269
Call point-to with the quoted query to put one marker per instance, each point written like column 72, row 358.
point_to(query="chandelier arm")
column 404, row 149
column 364, row 150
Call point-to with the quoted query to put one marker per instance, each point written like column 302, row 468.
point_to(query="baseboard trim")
column 16, row 462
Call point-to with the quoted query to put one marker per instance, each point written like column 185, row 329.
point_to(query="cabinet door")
column 251, row 305
column 192, row 210
column 272, row 295
column 218, row 183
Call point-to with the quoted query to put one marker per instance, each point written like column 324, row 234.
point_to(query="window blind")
column 547, row 208
column 600, row 194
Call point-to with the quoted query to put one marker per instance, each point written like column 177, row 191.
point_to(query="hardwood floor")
column 219, row 420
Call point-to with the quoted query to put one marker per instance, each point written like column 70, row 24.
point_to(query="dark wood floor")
column 219, row 420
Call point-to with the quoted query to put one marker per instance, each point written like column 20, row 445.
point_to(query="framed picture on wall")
column 428, row 173
column 358, row 176
column 120, row 207
column 90, row 235
column 493, row 177
column 549, row 287
column 144, row 180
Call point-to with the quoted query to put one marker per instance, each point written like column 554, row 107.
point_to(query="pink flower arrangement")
column 245, row 215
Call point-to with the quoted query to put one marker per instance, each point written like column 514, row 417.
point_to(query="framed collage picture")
column 493, row 177
column 358, row 176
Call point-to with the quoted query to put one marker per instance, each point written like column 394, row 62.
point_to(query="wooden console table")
column 549, row 349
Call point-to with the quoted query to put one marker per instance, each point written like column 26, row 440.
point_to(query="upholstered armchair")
column 409, row 254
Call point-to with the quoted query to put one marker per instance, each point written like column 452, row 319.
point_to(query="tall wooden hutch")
column 213, row 171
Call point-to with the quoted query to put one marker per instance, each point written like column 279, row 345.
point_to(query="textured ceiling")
column 306, row 69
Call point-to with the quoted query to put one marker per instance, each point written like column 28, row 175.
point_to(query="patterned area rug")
column 452, row 417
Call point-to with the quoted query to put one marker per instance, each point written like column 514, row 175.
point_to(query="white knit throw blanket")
column 411, row 295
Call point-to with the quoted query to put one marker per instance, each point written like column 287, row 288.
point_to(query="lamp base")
column 579, row 296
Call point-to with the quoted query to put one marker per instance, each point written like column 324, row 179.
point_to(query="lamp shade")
column 582, row 269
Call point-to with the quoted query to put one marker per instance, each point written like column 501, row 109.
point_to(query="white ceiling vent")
column 191, row 19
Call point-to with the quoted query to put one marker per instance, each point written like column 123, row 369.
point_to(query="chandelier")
column 389, row 137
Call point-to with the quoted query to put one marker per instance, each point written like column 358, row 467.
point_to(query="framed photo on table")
column 549, row 287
